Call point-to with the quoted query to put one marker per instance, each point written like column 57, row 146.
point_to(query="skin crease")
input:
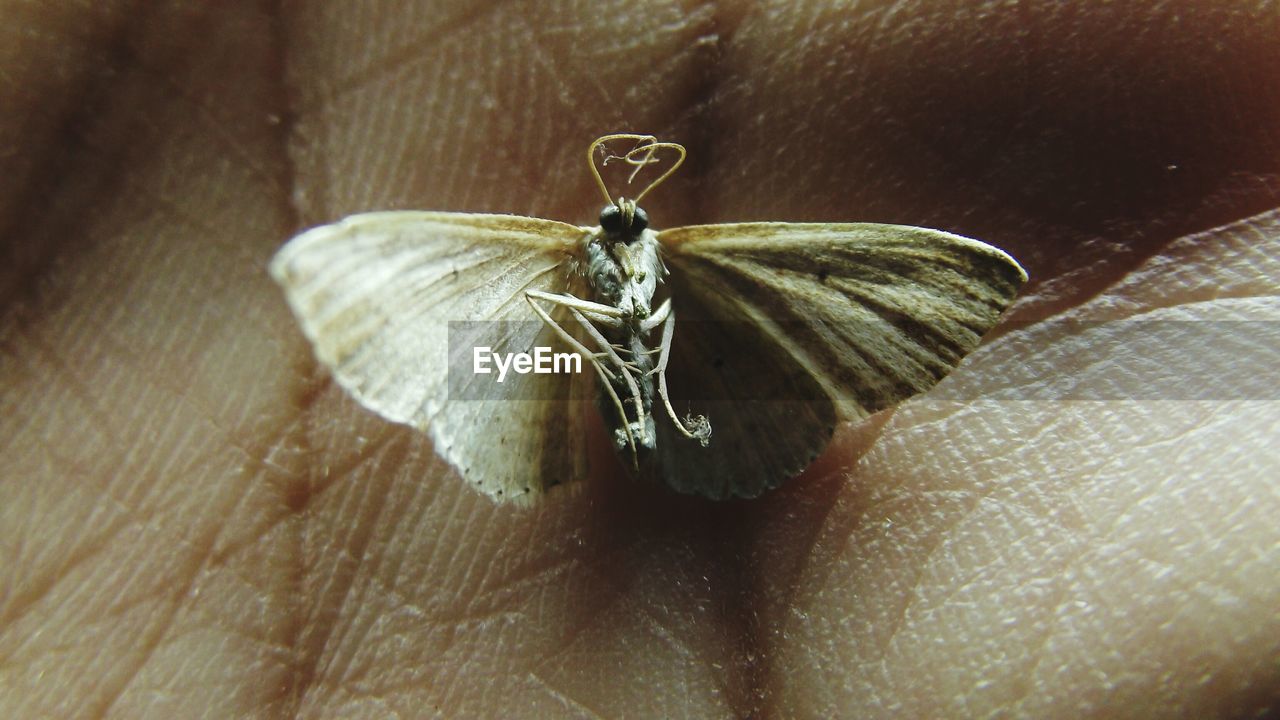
column 195, row 520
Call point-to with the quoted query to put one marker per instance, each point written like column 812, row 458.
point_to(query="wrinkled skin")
column 195, row 520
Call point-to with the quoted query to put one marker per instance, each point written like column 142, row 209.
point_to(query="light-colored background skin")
column 195, row 521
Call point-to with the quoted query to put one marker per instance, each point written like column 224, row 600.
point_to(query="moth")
column 784, row 331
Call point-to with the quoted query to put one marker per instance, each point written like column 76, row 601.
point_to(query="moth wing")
column 378, row 295
column 785, row 329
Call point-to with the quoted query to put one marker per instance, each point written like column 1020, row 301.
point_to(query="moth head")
column 624, row 220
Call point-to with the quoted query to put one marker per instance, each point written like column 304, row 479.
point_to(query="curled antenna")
column 642, row 154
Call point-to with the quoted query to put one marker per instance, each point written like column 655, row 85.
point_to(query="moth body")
column 623, row 270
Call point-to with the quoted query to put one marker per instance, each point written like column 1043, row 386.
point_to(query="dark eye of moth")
column 639, row 221
column 611, row 219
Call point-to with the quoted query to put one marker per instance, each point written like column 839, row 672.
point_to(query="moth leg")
column 658, row 317
column 699, row 426
column 622, row 365
column 592, row 357
column 555, row 326
column 605, row 314
column 598, row 312
column 587, row 312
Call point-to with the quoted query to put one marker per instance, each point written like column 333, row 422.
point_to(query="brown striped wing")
column 785, row 329
column 378, row 295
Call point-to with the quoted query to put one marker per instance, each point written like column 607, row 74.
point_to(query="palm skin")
column 195, row 519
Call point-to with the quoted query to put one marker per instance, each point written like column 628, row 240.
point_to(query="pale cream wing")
column 785, row 329
column 395, row 303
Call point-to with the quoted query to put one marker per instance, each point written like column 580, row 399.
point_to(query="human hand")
column 195, row 519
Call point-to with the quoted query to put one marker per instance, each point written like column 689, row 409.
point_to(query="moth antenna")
column 649, row 159
column 595, row 171
column 648, row 146
column 641, row 155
